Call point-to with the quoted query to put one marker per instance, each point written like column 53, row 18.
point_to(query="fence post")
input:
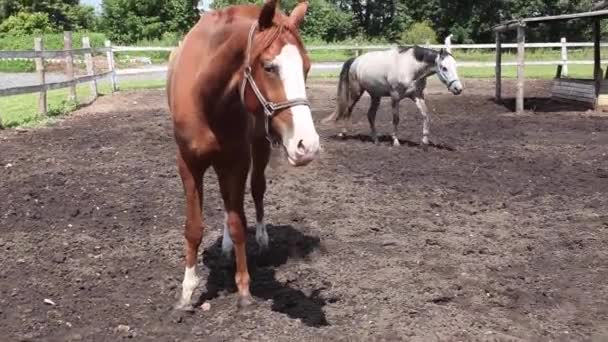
column 498, row 67
column 88, row 58
column 111, row 66
column 521, row 77
column 69, row 63
column 564, row 57
column 38, row 46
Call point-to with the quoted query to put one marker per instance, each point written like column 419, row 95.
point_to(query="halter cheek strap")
column 270, row 108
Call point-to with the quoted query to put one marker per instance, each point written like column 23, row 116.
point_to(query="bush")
column 419, row 33
column 24, row 23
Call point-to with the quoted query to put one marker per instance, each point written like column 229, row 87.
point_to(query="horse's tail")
column 344, row 94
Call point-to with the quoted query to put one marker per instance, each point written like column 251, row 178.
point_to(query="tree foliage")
column 61, row 14
column 127, row 21
column 24, row 23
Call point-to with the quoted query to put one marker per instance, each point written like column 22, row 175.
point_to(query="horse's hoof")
column 341, row 135
column 396, row 143
column 184, row 307
column 244, row 302
column 425, row 147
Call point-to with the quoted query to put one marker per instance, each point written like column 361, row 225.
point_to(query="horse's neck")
column 413, row 70
column 227, row 63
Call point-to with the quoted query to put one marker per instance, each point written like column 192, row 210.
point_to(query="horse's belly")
column 376, row 88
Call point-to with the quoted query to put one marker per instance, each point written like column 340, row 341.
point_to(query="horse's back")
column 373, row 69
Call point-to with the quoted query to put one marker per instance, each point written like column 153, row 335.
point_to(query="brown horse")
column 236, row 83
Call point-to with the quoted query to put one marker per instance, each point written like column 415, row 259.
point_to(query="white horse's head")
column 447, row 71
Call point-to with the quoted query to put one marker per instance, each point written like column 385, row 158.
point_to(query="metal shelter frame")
column 520, row 26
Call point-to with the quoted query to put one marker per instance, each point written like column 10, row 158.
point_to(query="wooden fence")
column 40, row 55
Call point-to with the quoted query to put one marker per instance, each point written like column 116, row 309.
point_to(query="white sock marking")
column 191, row 281
column 261, row 235
column 227, row 243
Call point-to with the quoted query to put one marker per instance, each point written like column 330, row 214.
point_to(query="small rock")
column 431, row 242
column 59, row 258
column 49, row 302
column 206, row 306
column 21, row 261
column 177, row 317
column 198, row 331
column 122, row 329
column 75, row 212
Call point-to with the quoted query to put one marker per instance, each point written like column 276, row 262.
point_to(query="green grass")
column 22, row 110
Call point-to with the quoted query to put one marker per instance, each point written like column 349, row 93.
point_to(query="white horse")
column 398, row 73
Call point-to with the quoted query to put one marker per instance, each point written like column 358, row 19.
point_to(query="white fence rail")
column 41, row 55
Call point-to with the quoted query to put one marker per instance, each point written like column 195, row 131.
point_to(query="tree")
column 24, row 23
column 128, row 21
column 324, row 20
column 63, row 14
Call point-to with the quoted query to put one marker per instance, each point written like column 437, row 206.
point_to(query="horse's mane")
column 423, row 54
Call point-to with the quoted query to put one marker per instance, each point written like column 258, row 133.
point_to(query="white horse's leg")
column 426, row 122
column 227, row 244
column 354, row 96
column 395, row 103
column 371, row 117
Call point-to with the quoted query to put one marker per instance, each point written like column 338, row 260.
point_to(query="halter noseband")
column 270, row 108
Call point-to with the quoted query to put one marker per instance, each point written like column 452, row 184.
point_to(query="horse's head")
column 279, row 66
column 447, row 72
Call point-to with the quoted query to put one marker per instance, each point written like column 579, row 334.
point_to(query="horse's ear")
column 298, row 14
column 443, row 53
column 267, row 15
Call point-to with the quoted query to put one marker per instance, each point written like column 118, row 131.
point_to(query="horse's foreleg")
column 261, row 154
column 371, row 117
column 192, row 178
column 395, row 99
column 232, row 180
column 426, row 120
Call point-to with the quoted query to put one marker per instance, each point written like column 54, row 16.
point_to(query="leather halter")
column 270, row 108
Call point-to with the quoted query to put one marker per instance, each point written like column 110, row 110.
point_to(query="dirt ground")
column 498, row 233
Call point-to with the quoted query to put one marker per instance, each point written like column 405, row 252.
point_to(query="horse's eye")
column 271, row 68
column 444, row 69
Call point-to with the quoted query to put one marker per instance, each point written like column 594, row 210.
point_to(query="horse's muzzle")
column 456, row 88
column 305, row 151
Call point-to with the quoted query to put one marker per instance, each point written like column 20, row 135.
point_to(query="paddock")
column 499, row 233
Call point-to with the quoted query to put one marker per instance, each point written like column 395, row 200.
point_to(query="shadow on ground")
column 285, row 243
column 388, row 140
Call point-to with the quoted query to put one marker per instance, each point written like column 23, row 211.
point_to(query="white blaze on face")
column 302, row 143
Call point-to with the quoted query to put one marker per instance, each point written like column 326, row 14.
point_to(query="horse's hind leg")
column 191, row 173
column 371, row 117
column 232, row 178
column 260, row 154
column 353, row 98
column 395, row 99
column 426, row 120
